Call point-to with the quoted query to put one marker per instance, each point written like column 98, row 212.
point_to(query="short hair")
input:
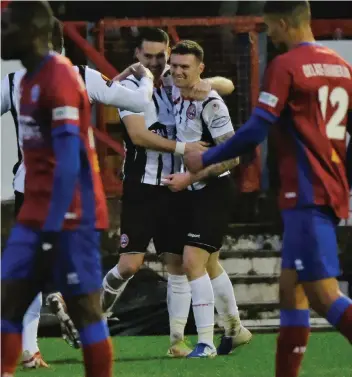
column 152, row 34
column 188, row 47
column 295, row 12
column 37, row 12
column 57, row 36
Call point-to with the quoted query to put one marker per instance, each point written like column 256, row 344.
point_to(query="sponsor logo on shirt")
column 66, row 112
column 191, row 111
column 35, row 92
column 268, row 99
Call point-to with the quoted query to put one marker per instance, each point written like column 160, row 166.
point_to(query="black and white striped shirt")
column 145, row 165
column 200, row 121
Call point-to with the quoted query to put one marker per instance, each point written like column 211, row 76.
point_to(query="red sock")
column 345, row 324
column 291, row 345
column 11, row 347
column 98, row 359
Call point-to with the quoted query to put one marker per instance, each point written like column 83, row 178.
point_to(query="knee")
column 128, row 267
column 214, row 268
column 174, row 264
column 193, row 267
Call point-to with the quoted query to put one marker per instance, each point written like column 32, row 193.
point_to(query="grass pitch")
column 328, row 355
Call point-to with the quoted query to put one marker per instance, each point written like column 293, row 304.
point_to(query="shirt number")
column 337, row 97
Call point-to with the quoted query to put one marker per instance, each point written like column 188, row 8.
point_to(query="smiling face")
column 185, row 69
column 153, row 55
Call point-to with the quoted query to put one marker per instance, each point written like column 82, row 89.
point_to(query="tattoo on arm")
column 217, row 169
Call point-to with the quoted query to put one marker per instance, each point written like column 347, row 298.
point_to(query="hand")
column 193, row 161
column 177, row 182
column 200, row 146
column 200, row 91
column 138, row 71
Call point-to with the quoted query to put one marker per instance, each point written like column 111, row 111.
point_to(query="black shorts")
column 209, row 211
column 149, row 212
column 19, row 198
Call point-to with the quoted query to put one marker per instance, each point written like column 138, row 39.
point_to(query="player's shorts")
column 74, row 268
column 19, row 199
column 149, row 212
column 208, row 214
column 310, row 244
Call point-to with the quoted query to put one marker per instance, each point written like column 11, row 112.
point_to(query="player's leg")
column 137, row 227
column 294, row 308
column 169, row 243
column 21, row 270
column 320, row 284
column 31, row 356
column 225, row 304
column 57, row 306
column 78, row 276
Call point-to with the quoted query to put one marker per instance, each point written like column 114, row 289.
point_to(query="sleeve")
column 275, row 90
column 66, row 96
column 5, row 95
column 101, row 89
column 132, row 85
column 216, row 116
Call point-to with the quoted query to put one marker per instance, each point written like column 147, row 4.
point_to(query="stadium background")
column 235, row 46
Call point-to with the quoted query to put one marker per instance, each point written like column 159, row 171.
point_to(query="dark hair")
column 188, row 47
column 295, row 12
column 152, row 34
column 29, row 10
column 57, row 36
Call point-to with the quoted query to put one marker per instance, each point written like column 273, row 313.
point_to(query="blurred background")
column 102, row 35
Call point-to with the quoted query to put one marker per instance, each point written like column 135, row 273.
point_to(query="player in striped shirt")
column 148, row 208
column 206, row 204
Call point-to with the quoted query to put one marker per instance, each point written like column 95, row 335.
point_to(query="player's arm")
column 222, row 85
column 112, row 93
column 65, row 103
column 142, row 137
column 5, row 95
column 349, row 149
column 217, row 118
column 272, row 100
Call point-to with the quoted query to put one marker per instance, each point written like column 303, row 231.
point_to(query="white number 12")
column 338, row 96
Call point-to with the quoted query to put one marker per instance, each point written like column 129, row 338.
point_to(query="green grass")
column 328, row 355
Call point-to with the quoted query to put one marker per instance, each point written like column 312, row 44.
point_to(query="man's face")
column 277, row 30
column 185, row 70
column 14, row 41
column 153, row 55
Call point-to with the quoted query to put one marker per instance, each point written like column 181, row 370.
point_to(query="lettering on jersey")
column 65, row 112
column 124, row 240
column 268, row 99
column 191, row 111
column 30, row 129
column 325, row 70
column 35, row 92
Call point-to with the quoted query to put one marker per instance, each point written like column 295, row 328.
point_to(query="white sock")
column 225, row 303
column 113, row 282
column 178, row 304
column 30, row 326
column 203, row 309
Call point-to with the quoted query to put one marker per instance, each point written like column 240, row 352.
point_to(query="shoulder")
column 212, row 103
column 130, row 82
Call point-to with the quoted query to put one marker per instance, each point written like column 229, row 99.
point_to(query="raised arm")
column 112, row 93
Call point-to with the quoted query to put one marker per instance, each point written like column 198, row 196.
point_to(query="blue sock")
column 94, row 333
column 336, row 310
column 11, row 327
column 294, row 318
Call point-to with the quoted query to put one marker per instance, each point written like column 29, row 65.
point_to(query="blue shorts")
column 75, row 268
column 310, row 244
